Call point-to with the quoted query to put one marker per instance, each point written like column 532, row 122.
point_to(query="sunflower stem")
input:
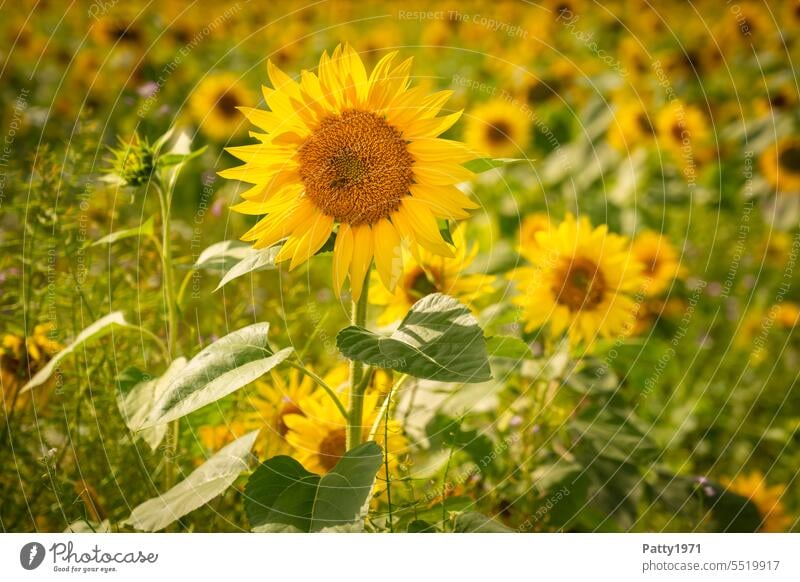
column 358, row 317
column 165, row 199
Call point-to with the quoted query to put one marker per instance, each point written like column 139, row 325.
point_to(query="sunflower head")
column 581, row 281
column 133, row 161
column 780, row 165
column 767, row 499
column 498, row 128
column 358, row 154
column 659, row 259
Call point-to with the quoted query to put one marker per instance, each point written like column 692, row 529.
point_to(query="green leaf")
column 228, row 364
column 144, row 229
column 173, row 159
column 201, row 486
column 420, row 526
column 98, row 329
column 222, row 256
column 502, row 346
column 439, row 340
column 473, row 522
column 592, row 377
column 281, row 495
column 480, row 165
column 136, row 394
column 256, row 260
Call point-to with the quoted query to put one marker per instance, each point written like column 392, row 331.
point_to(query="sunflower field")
column 449, row 266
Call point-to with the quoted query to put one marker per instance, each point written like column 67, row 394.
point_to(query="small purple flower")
column 147, row 90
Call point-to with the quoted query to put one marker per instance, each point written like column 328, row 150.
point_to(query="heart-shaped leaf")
column 282, row 496
column 439, row 340
column 201, row 486
column 228, row 364
column 137, row 393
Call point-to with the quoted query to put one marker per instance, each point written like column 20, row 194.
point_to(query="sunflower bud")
column 133, row 162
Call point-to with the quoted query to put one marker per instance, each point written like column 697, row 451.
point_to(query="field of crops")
column 400, row 266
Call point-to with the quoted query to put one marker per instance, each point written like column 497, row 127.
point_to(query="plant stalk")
column 358, row 317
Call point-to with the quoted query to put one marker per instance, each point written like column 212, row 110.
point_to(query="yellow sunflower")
column 430, row 273
column 499, row 129
column 683, row 130
column 360, row 150
column 215, row 105
column 786, row 314
column 21, row 358
column 581, row 282
column 530, row 228
column 632, row 126
column 780, row 165
column 660, row 261
column 318, row 432
column 766, row 499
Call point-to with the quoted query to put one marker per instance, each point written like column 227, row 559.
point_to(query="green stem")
column 165, row 199
column 322, row 384
column 358, row 317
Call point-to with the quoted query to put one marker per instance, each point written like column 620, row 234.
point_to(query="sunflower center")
column 227, row 104
column 498, row 132
column 644, row 123
column 287, row 409
column 789, row 159
column 579, row 285
column 356, row 167
column 332, row 448
column 418, row 284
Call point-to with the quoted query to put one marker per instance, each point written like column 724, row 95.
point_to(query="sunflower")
column 632, row 127
column 785, row 314
column 499, row 129
column 580, row 282
column 780, row 165
column 766, row 499
column 317, row 433
column 530, row 228
column 430, row 273
column 683, row 130
column 659, row 259
column 21, row 358
column 215, row 105
column 359, row 150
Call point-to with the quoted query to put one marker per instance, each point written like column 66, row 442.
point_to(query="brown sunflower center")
column 287, row 409
column 498, row 132
column 356, row 167
column 419, row 284
column 789, row 158
column 332, row 448
column 579, row 284
column 227, row 104
column 644, row 123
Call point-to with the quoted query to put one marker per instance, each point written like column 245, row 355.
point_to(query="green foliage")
column 282, row 496
column 439, row 340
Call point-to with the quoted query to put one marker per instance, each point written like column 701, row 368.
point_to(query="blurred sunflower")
column 354, row 149
column 21, row 358
column 683, row 130
column 317, row 432
column 215, row 105
column 632, row 127
column 580, row 282
column 766, row 499
column 659, row 259
column 499, row 129
column 430, row 273
column 785, row 314
column 530, row 228
column 780, row 165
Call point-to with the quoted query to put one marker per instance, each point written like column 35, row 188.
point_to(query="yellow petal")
column 388, row 253
column 422, row 223
column 318, row 233
column 362, row 258
column 342, row 256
